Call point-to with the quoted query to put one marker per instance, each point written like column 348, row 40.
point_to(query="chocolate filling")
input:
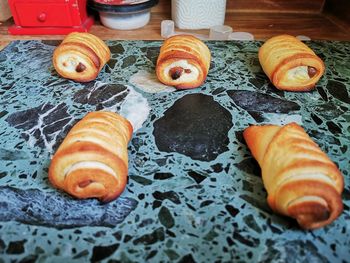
column 80, row 67
column 85, row 183
column 176, row 72
column 311, row 71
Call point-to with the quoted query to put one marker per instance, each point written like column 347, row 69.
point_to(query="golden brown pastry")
column 92, row 160
column 290, row 64
column 80, row 56
column 183, row 62
column 300, row 179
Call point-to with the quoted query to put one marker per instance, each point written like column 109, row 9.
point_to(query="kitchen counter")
column 194, row 193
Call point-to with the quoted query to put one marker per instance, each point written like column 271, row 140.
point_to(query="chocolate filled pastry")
column 80, row 57
column 290, row 64
column 183, row 62
column 92, row 161
column 300, row 179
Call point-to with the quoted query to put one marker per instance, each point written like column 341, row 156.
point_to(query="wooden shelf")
column 262, row 25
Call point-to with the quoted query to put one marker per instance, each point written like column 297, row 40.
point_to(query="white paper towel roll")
column 198, row 14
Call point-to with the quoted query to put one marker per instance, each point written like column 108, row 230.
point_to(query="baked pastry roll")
column 183, row 62
column 290, row 64
column 301, row 181
column 92, row 161
column 80, row 56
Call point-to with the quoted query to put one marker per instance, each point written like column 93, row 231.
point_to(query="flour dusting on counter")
column 282, row 119
column 148, row 82
column 135, row 108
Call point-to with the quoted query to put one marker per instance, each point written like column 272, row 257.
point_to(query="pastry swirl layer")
column 92, row 161
column 300, row 179
column 183, row 62
column 290, row 64
column 80, row 57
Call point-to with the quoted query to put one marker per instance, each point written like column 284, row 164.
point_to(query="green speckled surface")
column 194, row 192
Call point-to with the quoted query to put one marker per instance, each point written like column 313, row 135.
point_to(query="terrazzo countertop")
column 194, row 193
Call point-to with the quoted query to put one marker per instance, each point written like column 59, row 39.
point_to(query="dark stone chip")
column 156, row 204
column 218, row 91
column 22, row 176
column 250, row 242
column 141, row 180
column 250, row 166
column 211, row 235
column 3, row 113
column 322, row 93
column 258, row 203
column 51, row 42
column 111, row 64
column 250, row 255
column 99, row 234
column 151, row 254
column 344, row 148
column 16, row 247
column 127, row 238
column 316, row 119
column 172, row 234
column 206, row 203
column 197, row 177
column 29, row 259
column 251, row 223
column 152, row 238
column 258, row 116
column 162, row 176
column 232, row 210
column 345, row 195
column 172, row 255
column 12, row 155
column 247, row 186
column 191, row 127
column 129, row 61
column 333, row 246
column 165, row 217
column 117, row 49
column 102, row 252
column 81, row 254
column 338, row 91
column 187, row 259
column 333, row 128
column 258, row 83
column 3, row 174
column 170, row 195
column 230, row 241
column 151, row 53
column 2, row 244
column 141, row 196
column 146, row 222
column 255, row 101
column 118, row 235
column 328, row 111
column 217, row 168
column 191, row 207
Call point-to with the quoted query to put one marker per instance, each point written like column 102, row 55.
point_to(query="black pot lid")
column 122, row 8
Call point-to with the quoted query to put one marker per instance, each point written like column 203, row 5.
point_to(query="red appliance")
column 49, row 17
